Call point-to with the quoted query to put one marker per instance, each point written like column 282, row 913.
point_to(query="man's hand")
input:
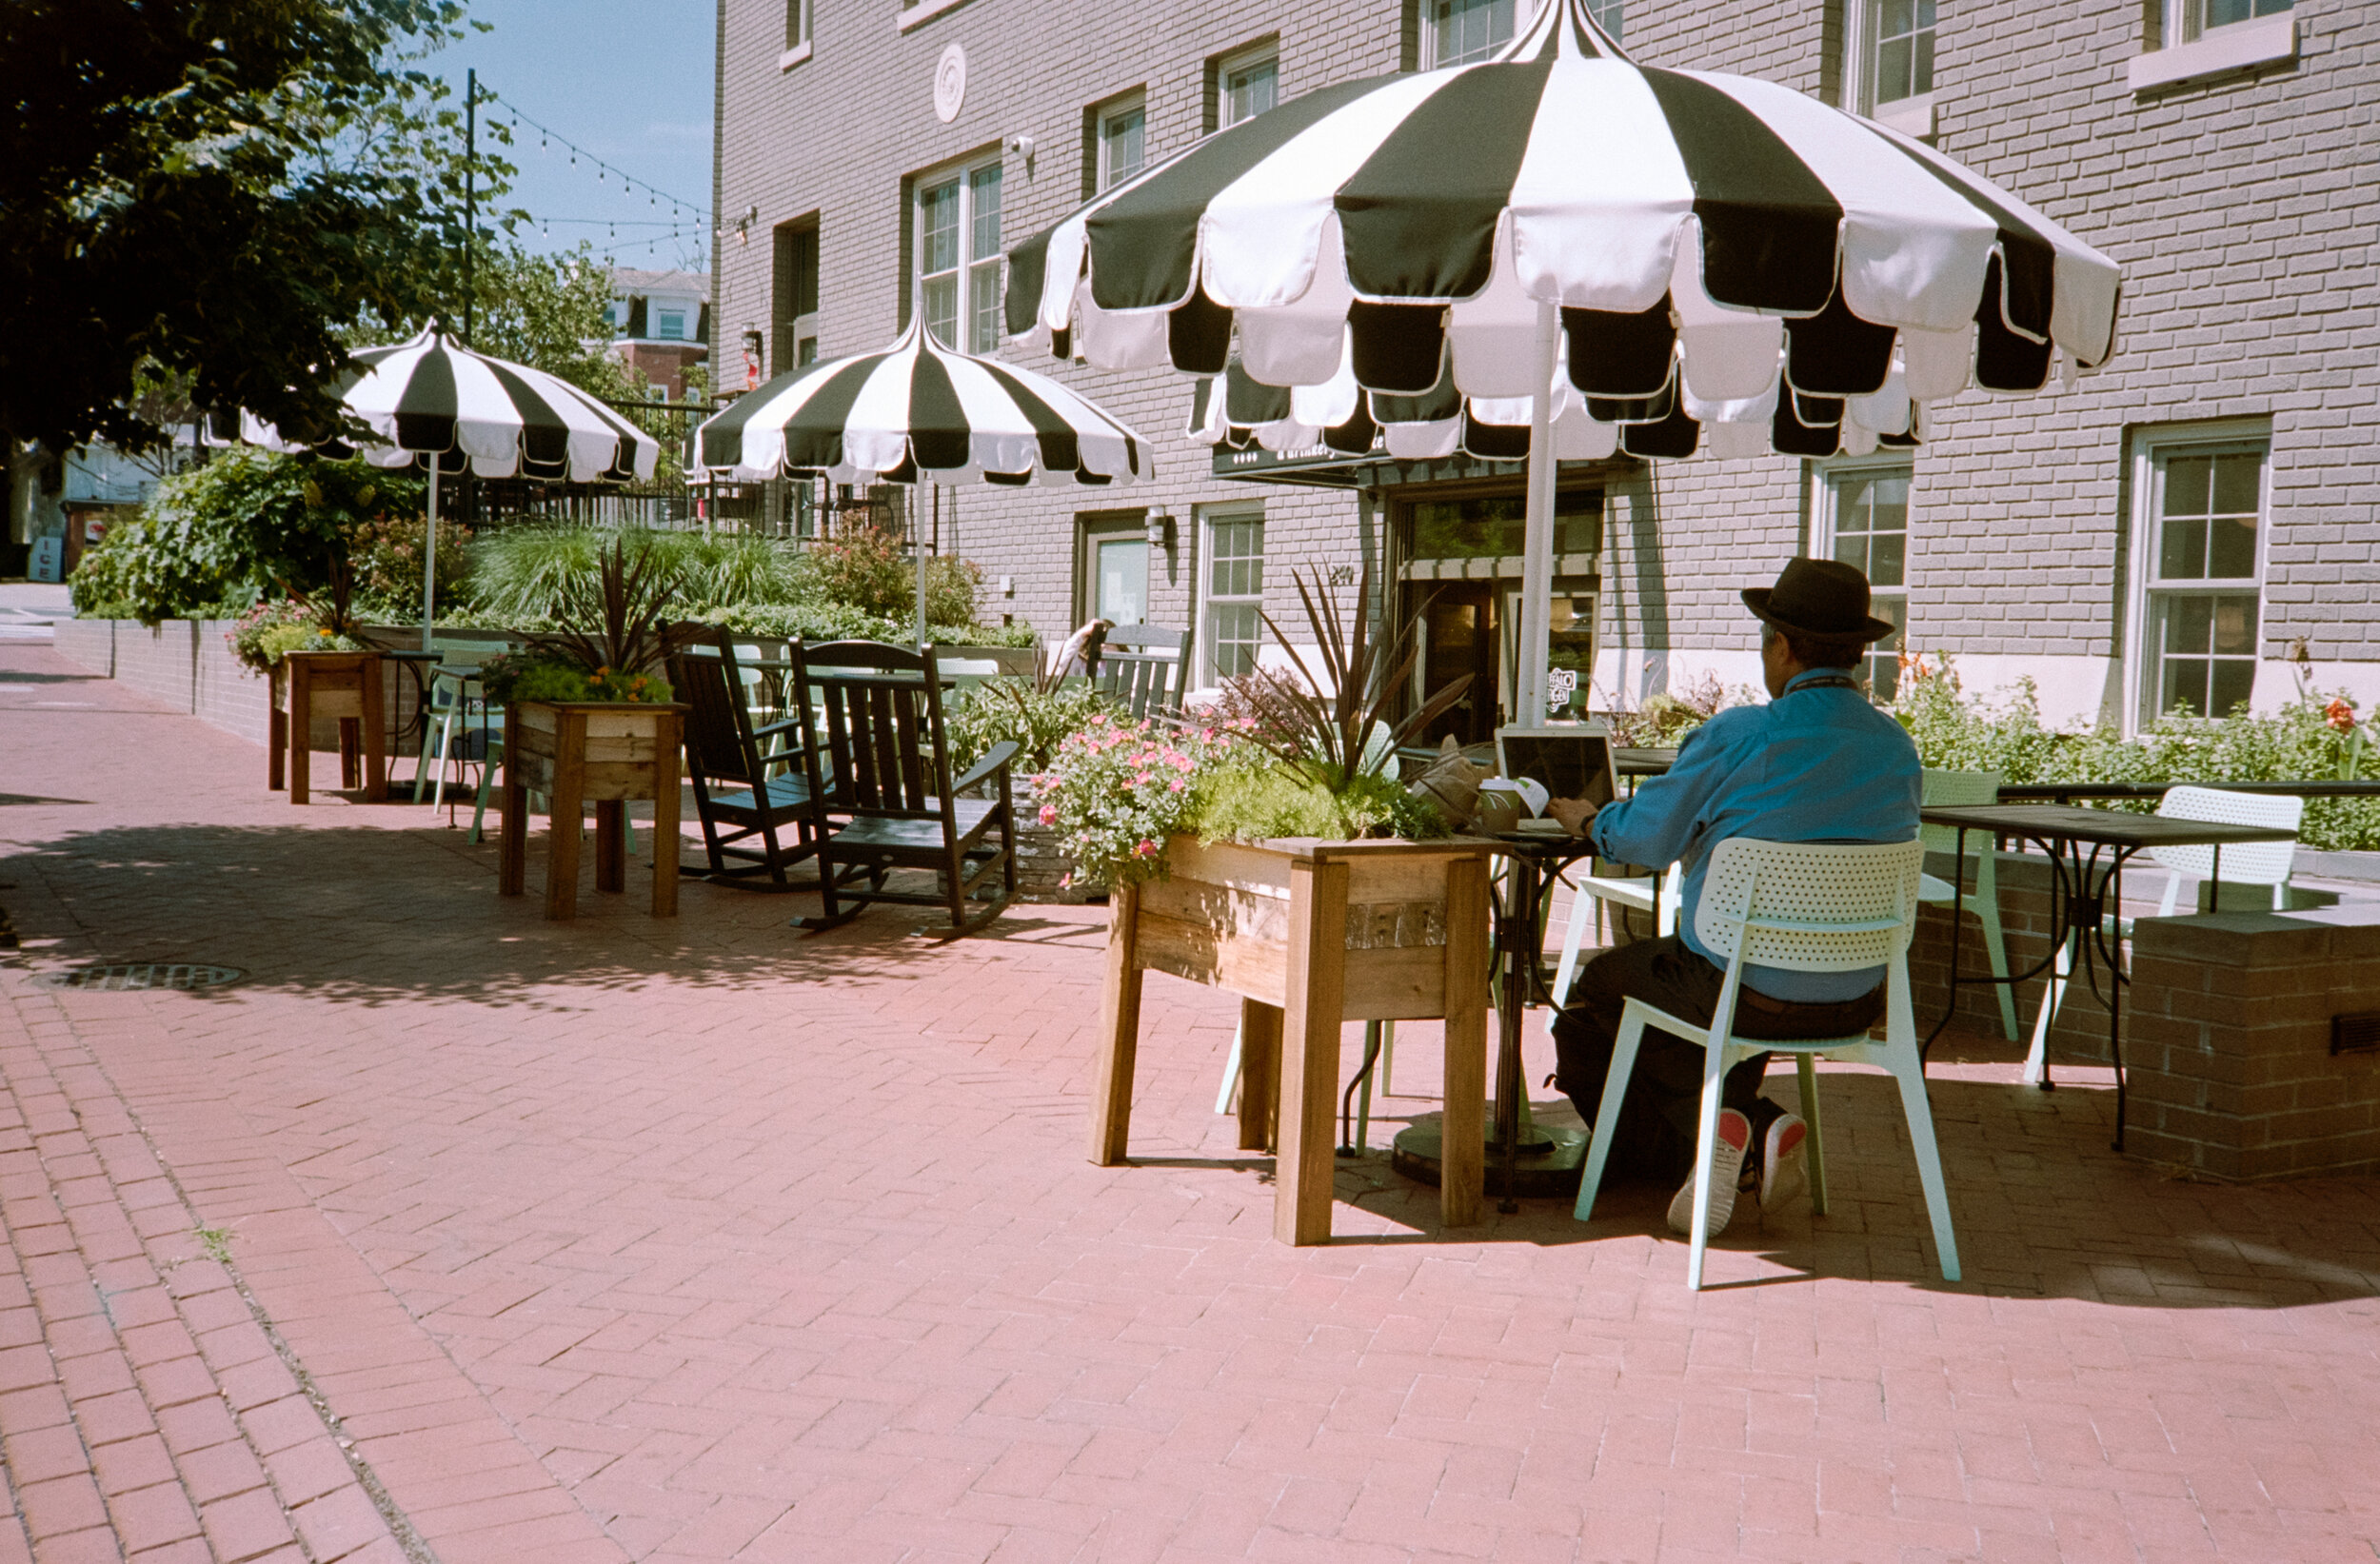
column 1575, row 814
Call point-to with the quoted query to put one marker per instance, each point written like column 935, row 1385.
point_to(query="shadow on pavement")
column 370, row 915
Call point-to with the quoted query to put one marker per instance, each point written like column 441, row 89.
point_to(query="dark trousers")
column 1657, row 1117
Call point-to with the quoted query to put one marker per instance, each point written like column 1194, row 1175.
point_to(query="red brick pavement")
column 704, row 1241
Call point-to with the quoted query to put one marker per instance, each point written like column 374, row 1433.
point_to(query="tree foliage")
column 248, row 524
column 222, row 195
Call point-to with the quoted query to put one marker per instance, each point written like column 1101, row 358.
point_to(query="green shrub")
column 2316, row 737
column 1285, row 799
column 1037, row 720
column 866, row 568
column 388, row 558
column 212, row 540
column 843, row 622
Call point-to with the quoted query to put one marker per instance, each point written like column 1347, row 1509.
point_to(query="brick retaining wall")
column 2227, row 1022
column 187, row 664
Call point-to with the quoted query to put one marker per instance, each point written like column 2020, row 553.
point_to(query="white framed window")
column 669, row 322
column 796, row 34
column 958, row 256
column 2187, row 21
column 2201, row 499
column 1862, row 520
column 1232, row 594
column 1123, row 143
column 1458, row 32
column 1246, row 84
column 1607, row 14
column 1888, row 62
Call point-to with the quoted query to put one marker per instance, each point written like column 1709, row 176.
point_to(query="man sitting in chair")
column 1818, row 764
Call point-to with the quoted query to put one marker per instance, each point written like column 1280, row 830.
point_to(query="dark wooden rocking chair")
column 749, row 782
column 882, row 796
column 1146, row 668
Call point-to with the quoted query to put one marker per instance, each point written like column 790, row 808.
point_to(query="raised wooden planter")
column 343, row 684
column 1309, row 935
column 599, row 752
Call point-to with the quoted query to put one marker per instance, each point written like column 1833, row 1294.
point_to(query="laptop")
column 1569, row 761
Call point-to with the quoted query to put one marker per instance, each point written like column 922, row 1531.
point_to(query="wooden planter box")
column 346, row 685
column 1309, row 935
column 599, row 752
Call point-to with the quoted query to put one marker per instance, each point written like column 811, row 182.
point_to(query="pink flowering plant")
column 1117, row 788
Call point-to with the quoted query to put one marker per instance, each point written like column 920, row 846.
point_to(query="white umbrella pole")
column 429, row 558
column 1537, row 571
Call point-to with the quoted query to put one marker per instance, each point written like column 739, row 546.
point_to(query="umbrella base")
column 1547, row 1166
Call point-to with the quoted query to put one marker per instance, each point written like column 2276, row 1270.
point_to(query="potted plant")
column 588, row 719
column 318, row 669
column 1262, row 854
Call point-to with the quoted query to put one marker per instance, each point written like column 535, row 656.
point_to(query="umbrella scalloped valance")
column 917, row 412
column 1737, row 268
column 430, row 396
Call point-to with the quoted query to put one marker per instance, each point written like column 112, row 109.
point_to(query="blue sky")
column 629, row 81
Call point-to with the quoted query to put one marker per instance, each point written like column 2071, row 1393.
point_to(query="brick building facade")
column 2180, row 526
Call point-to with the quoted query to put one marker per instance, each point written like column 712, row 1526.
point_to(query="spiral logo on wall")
column 950, row 83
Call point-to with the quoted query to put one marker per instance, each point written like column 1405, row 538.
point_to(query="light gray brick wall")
column 2241, row 211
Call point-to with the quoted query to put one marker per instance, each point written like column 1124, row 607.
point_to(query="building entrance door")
column 1457, row 637
column 1116, row 569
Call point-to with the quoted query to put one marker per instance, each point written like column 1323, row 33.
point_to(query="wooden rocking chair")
column 1145, row 668
column 876, row 759
column 749, row 782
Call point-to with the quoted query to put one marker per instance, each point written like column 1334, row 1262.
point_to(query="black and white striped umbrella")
column 1736, row 266
column 914, row 412
column 1560, row 253
column 429, row 397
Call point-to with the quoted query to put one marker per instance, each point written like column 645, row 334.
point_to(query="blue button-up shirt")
column 1812, row 766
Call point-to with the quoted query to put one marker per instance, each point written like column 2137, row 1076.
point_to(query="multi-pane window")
column 958, row 227
column 2192, row 18
column 793, row 296
column 1460, row 31
column 1607, row 15
column 1904, row 49
column 1234, row 594
column 1247, row 85
column 1888, row 53
column 2203, row 579
column 1867, row 510
column 1123, row 142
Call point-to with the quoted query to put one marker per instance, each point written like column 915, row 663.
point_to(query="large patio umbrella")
column 431, row 397
column 1686, row 261
column 917, row 412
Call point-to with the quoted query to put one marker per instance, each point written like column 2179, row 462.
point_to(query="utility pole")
column 470, row 193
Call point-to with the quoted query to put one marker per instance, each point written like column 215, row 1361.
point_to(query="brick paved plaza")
column 448, row 1233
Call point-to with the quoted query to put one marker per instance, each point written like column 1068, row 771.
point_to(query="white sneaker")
column 1727, row 1165
column 1784, row 1163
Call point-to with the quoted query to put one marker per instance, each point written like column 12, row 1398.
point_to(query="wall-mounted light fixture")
column 1160, row 529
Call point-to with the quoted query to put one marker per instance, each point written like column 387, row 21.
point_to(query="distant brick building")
column 2223, row 151
column 661, row 325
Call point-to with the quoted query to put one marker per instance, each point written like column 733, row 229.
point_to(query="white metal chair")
column 1806, row 907
column 459, row 726
column 2244, row 864
column 1589, row 896
column 1954, row 787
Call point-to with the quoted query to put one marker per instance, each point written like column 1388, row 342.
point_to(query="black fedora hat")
column 1822, row 598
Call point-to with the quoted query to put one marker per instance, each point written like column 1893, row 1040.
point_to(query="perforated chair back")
column 1948, row 788
column 1809, row 906
column 2244, row 862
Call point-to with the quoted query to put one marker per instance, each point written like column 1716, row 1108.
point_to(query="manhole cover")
column 145, row 975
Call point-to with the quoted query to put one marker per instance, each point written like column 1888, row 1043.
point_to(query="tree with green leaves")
column 220, row 197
